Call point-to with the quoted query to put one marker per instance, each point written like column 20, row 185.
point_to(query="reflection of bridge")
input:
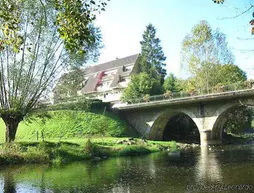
column 207, row 112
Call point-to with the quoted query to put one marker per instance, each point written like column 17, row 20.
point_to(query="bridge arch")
column 217, row 129
column 160, row 121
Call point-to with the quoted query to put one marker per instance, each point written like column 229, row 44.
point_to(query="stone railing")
column 192, row 93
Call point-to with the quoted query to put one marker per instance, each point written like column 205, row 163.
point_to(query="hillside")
column 66, row 124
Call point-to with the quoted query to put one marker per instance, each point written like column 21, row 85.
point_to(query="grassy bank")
column 67, row 124
column 78, row 150
column 62, row 136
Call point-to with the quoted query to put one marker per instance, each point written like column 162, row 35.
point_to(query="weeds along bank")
column 78, row 150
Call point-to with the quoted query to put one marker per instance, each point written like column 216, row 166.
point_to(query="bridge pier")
column 207, row 139
column 210, row 132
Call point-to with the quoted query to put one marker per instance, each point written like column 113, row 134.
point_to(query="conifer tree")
column 152, row 51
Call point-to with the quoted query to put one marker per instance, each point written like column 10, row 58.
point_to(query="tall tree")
column 37, row 40
column 204, row 48
column 151, row 50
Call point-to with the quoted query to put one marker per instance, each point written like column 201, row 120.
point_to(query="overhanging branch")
column 238, row 15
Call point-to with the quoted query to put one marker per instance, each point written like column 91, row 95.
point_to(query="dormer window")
column 126, row 69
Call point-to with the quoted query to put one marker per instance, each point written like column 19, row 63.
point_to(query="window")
column 126, row 69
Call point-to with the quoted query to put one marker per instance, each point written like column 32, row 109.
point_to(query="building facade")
column 107, row 81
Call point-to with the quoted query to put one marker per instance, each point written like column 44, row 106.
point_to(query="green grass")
column 66, row 124
column 69, row 151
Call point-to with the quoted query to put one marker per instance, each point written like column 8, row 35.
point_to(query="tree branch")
column 238, row 15
column 245, row 38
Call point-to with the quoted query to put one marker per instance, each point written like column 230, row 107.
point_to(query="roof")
column 112, row 64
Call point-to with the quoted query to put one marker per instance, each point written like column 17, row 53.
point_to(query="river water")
column 218, row 169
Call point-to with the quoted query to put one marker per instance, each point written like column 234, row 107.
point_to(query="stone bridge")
column 206, row 111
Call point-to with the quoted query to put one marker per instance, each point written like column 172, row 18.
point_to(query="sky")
column 124, row 21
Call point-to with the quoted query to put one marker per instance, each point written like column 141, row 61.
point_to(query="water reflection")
column 208, row 167
column 9, row 184
column 154, row 173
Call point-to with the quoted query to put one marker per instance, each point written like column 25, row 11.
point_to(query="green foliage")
column 238, row 119
column 152, row 56
column 170, row 83
column 229, row 73
column 204, row 46
column 69, row 84
column 208, row 59
column 73, row 19
column 215, row 78
column 63, row 152
column 13, row 153
column 181, row 85
column 141, row 84
column 99, row 126
column 89, row 147
column 80, row 105
column 10, row 17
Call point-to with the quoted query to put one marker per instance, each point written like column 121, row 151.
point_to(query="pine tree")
column 152, row 51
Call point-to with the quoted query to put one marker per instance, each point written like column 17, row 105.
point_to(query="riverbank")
column 55, row 151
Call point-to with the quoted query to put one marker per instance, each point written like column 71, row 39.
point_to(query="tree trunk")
column 11, row 128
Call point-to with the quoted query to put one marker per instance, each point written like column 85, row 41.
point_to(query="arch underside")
column 219, row 125
column 181, row 127
column 171, row 124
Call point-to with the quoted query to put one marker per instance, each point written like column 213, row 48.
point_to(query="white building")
column 106, row 81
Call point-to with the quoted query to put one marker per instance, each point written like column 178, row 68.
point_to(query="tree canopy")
column 228, row 74
column 202, row 53
column 141, row 85
column 69, row 84
column 170, row 83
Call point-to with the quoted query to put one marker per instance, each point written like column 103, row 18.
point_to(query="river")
column 217, row 169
